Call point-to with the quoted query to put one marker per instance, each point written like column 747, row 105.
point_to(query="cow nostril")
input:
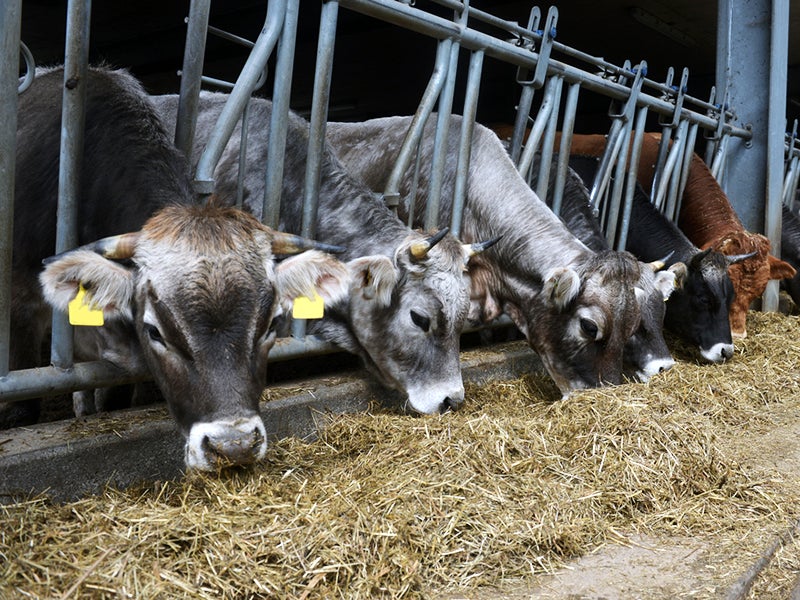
column 450, row 404
column 727, row 353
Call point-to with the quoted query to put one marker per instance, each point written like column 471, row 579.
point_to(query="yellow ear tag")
column 308, row 308
column 82, row 312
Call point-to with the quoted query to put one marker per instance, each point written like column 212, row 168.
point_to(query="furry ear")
column 373, row 278
column 779, row 269
column 561, row 286
column 308, row 272
column 681, row 271
column 108, row 284
column 667, row 281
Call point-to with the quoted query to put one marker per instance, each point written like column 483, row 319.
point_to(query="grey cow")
column 576, row 307
column 190, row 291
column 410, row 293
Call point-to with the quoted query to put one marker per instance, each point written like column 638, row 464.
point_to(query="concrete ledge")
column 69, row 459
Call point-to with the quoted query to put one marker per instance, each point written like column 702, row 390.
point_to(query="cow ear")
column 373, row 278
column 561, row 286
column 109, row 285
column 779, row 269
column 680, row 271
column 666, row 280
column 310, row 272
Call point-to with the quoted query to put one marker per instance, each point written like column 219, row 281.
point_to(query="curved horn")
column 116, row 247
column 478, row 247
column 657, row 265
column 737, row 258
column 288, row 243
column 419, row 250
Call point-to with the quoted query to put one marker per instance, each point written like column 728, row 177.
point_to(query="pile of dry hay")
column 384, row 505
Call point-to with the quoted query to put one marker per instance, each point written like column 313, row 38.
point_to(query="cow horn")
column 657, row 265
column 419, row 250
column 116, row 247
column 737, row 258
column 478, row 247
column 288, row 243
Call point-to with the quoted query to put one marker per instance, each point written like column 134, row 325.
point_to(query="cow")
column 646, row 352
column 577, row 308
column 698, row 310
column 709, row 221
column 410, row 292
column 790, row 251
column 189, row 291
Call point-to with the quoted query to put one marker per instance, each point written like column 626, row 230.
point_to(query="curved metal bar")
column 232, row 111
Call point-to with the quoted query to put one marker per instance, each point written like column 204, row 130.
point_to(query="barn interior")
column 381, row 69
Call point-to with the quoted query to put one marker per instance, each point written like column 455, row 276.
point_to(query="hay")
column 392, row 506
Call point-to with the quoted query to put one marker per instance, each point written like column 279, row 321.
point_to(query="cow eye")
column 589, row 327
column 154, row 334
column 421, row 321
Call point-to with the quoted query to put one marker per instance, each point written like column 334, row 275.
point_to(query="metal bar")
column 567, row 127
column 631, row 181
column 679, row 150
column 391, row 194
column 279, row 119
column 10, row 25
column 539, row 123
column 439, row 157
column 437, row 27
column 691, row 138
column 546, row 147
column 191, row 74
column 465, row 146
column 317, row 122
column 73, row 112
column 776, row 127
column 245, row 83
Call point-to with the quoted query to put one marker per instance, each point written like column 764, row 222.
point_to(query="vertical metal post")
column 467, row 127
column 742, row 75
column 10, row 25
column 279, row 119
column 73, row 110
column 318, row 120
column 191, row 74
column 546, row 153
column 440, row 140
column 776, row 126
column 567, row 126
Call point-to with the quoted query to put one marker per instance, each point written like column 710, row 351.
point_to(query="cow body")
column 709, row 221
column 405, row 311
column 188, row 291
column 576, row 307
column 698, row 310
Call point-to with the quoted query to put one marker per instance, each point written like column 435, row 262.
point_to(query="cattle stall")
column 553, row 78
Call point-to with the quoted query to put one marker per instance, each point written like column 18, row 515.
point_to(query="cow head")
column 581, row 319
column 698, row 310
column 646, row 352
column 750, row 275
column 199, row 287
column 404, row 317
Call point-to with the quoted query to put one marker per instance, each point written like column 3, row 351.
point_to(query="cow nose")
column 233, row 449
column 727, row 352
column 451, row 404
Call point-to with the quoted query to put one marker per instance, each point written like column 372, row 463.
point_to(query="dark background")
column 380, row 69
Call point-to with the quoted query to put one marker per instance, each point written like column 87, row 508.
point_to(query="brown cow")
column 709, row 221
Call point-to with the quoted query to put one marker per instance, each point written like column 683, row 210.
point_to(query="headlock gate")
column 552, row 78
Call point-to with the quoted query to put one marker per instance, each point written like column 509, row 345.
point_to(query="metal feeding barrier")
column 558, row 73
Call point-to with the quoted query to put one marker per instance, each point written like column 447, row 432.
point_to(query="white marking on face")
column 718, row 352
column 429, row 400
column 237, row 434
column 654, row 367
